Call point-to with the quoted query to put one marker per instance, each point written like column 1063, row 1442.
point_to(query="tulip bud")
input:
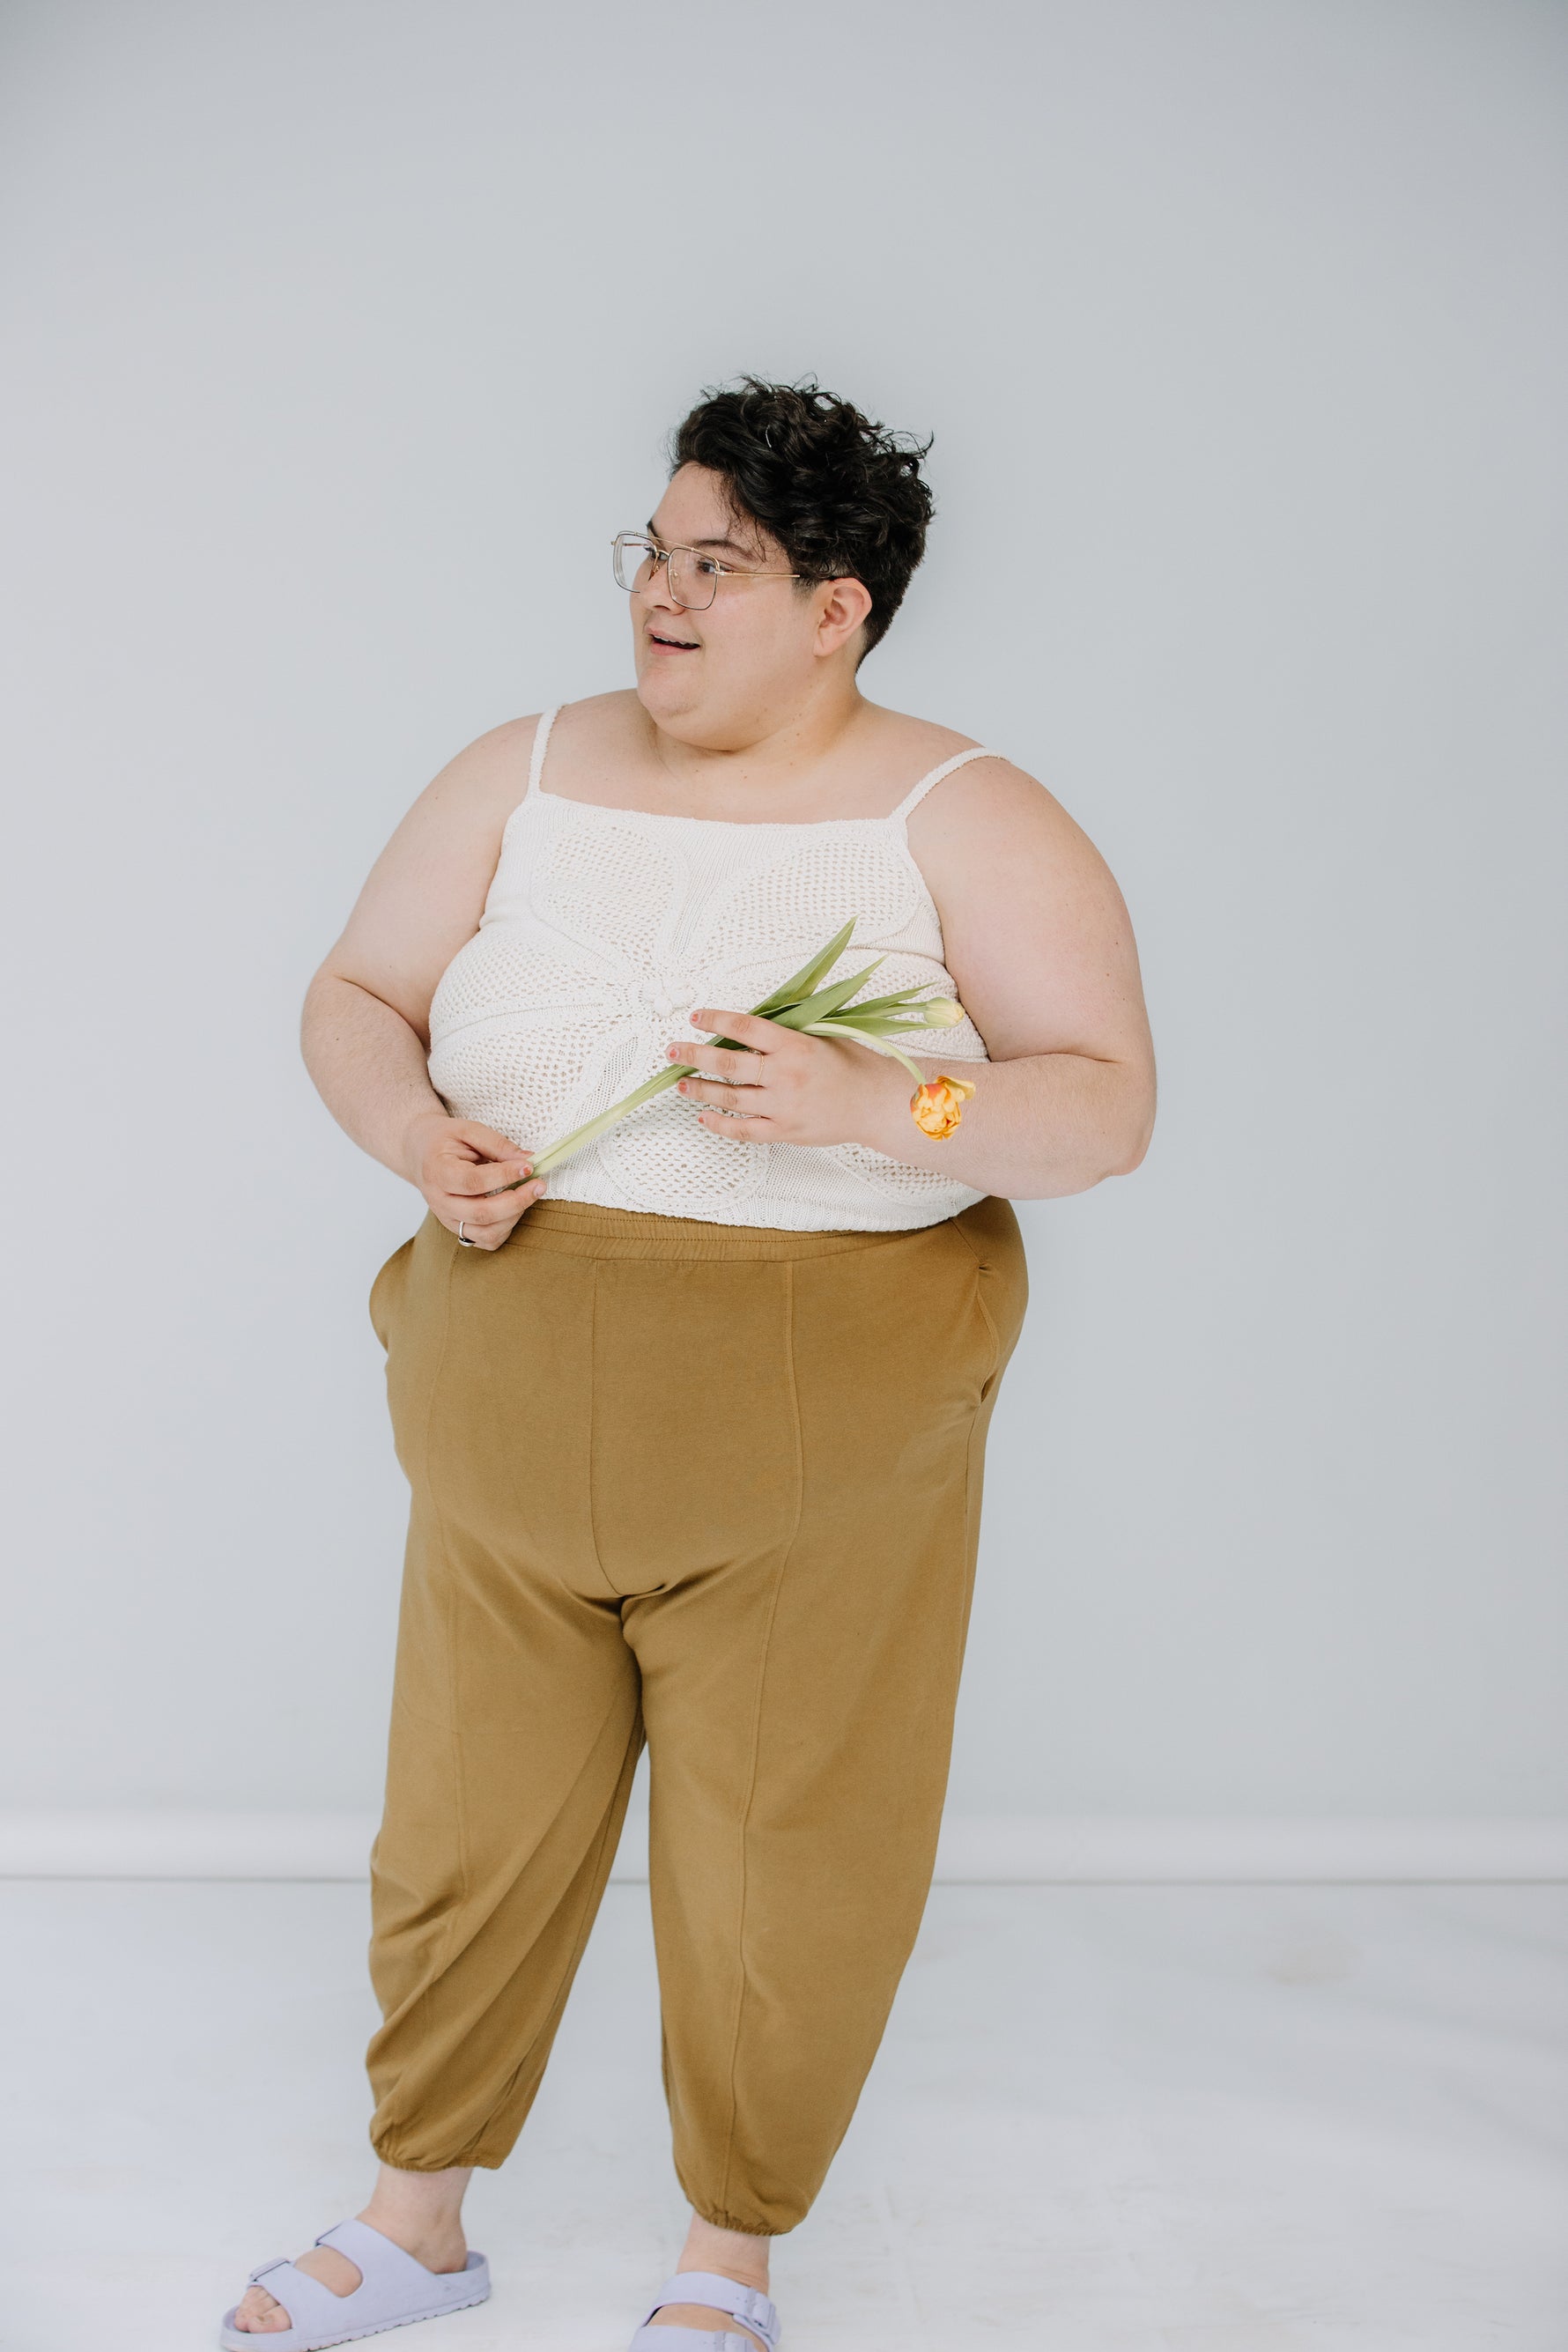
column 942, row 1012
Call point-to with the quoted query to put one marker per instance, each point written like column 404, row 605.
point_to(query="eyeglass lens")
column 693, row 582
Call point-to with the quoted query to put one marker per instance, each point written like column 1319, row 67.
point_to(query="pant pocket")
column 992, row 1232
column 383, row 1290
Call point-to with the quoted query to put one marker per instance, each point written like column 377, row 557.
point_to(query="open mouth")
column 671, row 643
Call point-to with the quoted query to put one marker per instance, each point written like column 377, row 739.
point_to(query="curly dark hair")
column 843, row 496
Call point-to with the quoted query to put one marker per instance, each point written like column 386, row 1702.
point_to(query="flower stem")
column 566, row 1144
column 866, row 1037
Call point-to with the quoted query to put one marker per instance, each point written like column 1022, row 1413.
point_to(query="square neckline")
column 730, row 823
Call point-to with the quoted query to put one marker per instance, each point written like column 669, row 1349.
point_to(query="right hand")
column 455, row 1162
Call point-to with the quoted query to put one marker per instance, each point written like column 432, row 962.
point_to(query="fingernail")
column 680, row 1085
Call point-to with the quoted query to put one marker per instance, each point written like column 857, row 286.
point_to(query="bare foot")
column 730, row 2253
column 420, row 2212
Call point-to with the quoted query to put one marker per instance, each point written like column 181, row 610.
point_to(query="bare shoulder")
column 498, row 759
column 983, row 795
column 1036, row 931
column 487, row 776
column 992, row 808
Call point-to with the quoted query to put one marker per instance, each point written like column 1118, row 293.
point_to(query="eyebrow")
column 732, row 545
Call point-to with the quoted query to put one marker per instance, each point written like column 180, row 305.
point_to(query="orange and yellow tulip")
column 937, row 1107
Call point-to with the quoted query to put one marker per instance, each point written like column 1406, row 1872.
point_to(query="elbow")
column 319, row 987
column 322, row 1009
column 1134, row 1143
column 312, row 1010
column 1132, row 1158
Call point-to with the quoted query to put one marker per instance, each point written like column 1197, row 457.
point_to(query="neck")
column 761, row 743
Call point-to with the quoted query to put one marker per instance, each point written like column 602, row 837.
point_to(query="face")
column 746, row 663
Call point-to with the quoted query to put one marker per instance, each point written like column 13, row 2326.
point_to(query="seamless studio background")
column 342, row 339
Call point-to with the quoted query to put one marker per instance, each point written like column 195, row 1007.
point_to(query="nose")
column 656, row 589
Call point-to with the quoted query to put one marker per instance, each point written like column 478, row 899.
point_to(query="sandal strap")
column 378, row 2257
column 720, row 2293
column 689, row 2339
column 310, row 2304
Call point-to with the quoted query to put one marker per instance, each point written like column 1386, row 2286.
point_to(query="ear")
column 843, row 606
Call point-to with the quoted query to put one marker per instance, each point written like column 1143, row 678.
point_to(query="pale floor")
column 1104, row 2119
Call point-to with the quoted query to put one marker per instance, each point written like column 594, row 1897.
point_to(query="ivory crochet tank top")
column 604, row 926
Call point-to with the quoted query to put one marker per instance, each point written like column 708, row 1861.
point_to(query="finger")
column 472, row 1137
column 752, row 1128
column 502, row 1210
column 480, row 1219
column 509, row 1185
column 730, row 1071
column 489, row 1237
column 722, row 1058
column 746, row 1028
column 715, row 1090
column 472, row 1178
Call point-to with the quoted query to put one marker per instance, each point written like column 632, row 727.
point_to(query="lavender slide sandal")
column 747, row 2302
column 393, row 2290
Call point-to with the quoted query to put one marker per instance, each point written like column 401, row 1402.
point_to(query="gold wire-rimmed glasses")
column 693, row 575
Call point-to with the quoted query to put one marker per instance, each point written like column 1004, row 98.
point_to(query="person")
column 694, row 1423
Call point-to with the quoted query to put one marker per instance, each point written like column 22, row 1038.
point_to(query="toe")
column 260, row 2314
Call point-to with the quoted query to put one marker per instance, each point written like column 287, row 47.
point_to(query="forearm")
column 369, row 1069
column 1037, row 1127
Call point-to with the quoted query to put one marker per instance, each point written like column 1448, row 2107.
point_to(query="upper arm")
column 1035, row 932
column 423, row 898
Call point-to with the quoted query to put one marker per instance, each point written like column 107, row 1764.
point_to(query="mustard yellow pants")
column 717, row 1488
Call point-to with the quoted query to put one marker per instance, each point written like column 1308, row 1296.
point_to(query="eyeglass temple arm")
column 663, row 554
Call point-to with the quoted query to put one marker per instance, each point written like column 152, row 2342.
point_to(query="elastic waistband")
column 585, row 1229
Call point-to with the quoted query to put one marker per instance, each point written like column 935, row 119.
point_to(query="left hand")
column 788, row 1088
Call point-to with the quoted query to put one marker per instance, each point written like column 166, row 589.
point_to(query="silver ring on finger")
column 463, row 1237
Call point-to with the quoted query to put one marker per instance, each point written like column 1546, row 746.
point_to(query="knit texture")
column 602, row 926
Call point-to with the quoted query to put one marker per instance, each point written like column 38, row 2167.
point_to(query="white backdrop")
column 346, row 335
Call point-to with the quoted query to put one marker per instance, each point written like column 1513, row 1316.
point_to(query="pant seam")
column 593, row 1389
column 459, row 1806
column 787, row 1552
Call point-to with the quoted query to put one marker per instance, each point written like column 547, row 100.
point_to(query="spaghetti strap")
column 540, row 738
column 913, row 800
